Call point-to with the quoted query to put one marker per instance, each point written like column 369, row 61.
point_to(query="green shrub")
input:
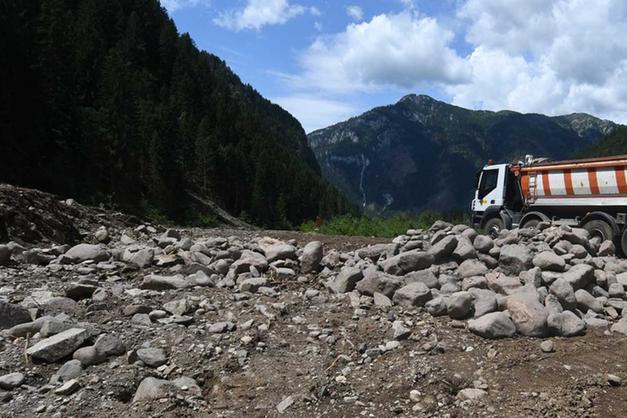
column 381, row 227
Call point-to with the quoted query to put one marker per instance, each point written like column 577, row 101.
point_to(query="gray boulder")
column 483, row 243
column 84, row 252
column 151, row 388
column 413, row 294
column 464, row 249
column 377, row 282
column 493, row 325
column 407, row 262
column 470, row 268
column 59, row 345
column 580, row 276
column 280, row 251
column 425, row 276
column 566, row 324
column 459, row 305
column 564, row 293
column 515, row 258
column 527, row 313
column 152, row 357
column 548, row 260
column 156, row 282
column 436, row 306
column 443, row 248
column 345, row 281
column 585, row 301
column 311, row 257
column 12, row 315
column 484, row 301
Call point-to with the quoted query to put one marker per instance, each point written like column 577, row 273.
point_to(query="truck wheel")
column 623, row 243
column 493, row 226
column 531, row 223
column 599, row 229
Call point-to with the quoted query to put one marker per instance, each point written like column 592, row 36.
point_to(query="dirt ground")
column 312, row 350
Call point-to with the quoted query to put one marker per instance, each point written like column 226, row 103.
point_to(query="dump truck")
column 588, row 193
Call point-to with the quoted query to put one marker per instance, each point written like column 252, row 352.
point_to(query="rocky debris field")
column 147, row 321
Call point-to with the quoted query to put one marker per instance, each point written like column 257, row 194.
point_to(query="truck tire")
column 623, row 243
column 531, row 223
column 600, row 229
column 493, row 226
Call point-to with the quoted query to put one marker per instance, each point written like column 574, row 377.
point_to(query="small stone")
column 614, row 380
column 68, row 388
column 547, row 346
column 11, row 381
column 152, row 357
column 284, row 404
column 399, row 331
column 471, row 394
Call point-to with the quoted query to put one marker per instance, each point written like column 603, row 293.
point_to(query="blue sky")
column 325, row 61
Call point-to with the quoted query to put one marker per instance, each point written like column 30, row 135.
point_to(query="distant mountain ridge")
column 421, row 153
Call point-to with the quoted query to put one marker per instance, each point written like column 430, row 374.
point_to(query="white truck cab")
column 490, row 190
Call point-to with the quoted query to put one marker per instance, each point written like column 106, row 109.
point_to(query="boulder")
column 459, row 305
column 407, row 262
column 280, row 251
column 247, row 260
column 580, row 276
column 413, row 294
column 565, row 324
column 484, row 301
column 437, row 306
column 151, row 388
column 527, row 313
column 152, row 357
column 377, row 282
column 469, row 268
column 311, row 257
column 585, row 301
column 374, row 252
column 493, row 325
column 443, row 248
column 12, row 315
column 84, row 252
column 89, row 356
column 11, row 381
column 59, row 345
column 548, row 260
column 464, row 250
column 156, row 282
column 345, row 281
column 483, row 243
column 564, row 293
column 425, row 276
column 515, row 258
column 505, row 285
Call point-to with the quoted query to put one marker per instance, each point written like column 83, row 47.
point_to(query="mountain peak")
column 417, row 99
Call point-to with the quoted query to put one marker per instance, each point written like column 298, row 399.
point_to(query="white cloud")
column 402, row 50
column 173, row 5
column 355, row 13
column 259, row 13
column 552, row 57
column 314, row 11
column 314, row 112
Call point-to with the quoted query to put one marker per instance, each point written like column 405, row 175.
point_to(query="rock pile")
column 128, row 302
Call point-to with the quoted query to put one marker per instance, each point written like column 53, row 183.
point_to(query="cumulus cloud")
column 401, row 50
column 355, row 13
column 259, row 13
column 553, row 57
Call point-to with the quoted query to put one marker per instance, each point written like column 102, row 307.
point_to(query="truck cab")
column 498, row 199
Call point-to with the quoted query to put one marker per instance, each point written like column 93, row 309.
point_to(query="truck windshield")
column 489, row 179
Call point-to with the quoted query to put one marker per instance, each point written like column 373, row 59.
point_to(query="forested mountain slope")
column 104, row 101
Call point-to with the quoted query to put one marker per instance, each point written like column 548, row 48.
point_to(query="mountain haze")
column 421, row 153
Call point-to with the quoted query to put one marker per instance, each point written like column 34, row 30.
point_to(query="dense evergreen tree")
column 104, row 101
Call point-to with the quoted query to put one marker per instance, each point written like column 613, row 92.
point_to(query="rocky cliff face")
column 421, row 153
